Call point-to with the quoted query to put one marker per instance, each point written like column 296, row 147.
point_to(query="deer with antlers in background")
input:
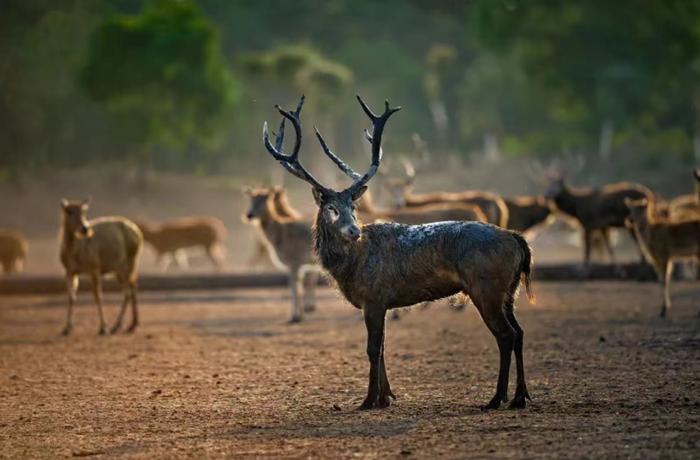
column 663, row 242
column 384, row 266
column 401, row 191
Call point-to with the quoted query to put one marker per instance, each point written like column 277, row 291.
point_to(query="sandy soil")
column 221, row 374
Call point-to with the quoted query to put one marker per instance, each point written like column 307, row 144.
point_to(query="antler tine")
column 334, row 158
column 378, row 123
column 290, row 162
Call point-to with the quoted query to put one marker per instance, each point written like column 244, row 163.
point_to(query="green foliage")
column 161, row 72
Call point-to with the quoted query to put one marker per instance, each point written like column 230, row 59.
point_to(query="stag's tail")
column 525, row 265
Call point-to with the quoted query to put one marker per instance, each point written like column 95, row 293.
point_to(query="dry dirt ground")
column 221, row 374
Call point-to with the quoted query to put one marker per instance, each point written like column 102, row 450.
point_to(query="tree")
column 160, row 73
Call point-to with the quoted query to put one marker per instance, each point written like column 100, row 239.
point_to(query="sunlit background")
column 155, row 108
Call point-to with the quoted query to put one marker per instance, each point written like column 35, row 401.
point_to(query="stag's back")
column 115, row 245
column 185, row 232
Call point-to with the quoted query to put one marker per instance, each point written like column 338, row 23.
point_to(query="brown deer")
column 401, row 191
column 289, row 245
column 97, row 247
column 663, row 242
column 685, row 207
column 596, row 209
column 284, row 209
column 13, row 251
column 419, row 215
column 172, row 237
column 384, row 266
column 525, row 213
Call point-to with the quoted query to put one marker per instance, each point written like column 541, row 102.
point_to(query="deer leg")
column 521, row 393
column 214, row 254
column 72, row 289
column 378, row 390
column 493, row 315
column 134, row 306
column 295, row 285
column 587, row 239
column 180, row 258
column 97, row 293
column 125, row 302
column 666, row 284
column 310, row 281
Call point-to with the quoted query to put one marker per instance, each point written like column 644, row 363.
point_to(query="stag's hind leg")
column 124, row 283
column 521, row 393
column 134, row 304
column 491, row 307
column 72, row 288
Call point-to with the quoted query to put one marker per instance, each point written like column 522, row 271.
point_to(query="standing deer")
column 420, row 215
column 13, row 251
column 97, row 247
column 596, row 209
column 384, row 266
column 401, row 191
column 172, row 237
column 283, row 209
column 663, row 242
column 527, row 212
column 289, row 245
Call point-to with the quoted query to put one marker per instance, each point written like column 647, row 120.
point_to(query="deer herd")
column 421, row 248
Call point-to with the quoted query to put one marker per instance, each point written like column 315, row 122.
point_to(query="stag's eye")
column 332, row 213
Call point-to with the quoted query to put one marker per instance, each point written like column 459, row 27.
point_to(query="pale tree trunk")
column 607, row 131
column 491, row 150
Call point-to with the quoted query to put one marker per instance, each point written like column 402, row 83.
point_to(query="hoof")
column 294, row 320
column 380, row 402
column 102, row 331
column 309, row 308
column 517, row 403
column 115, row 328
column 494, row 404
column 131, row 328
column 663, row 313
column 66, row 330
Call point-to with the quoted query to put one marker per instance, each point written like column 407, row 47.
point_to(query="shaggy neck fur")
column 337, row 255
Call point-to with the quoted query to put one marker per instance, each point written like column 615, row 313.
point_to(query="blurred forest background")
column 185, row 85
column 168, row 88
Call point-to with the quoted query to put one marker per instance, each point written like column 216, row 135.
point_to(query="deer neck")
column 336, row 255
column 269, row 219
column 566, row 201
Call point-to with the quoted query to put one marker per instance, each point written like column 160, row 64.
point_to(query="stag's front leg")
column 97, row 293
column 295, row 287
column 378, row 390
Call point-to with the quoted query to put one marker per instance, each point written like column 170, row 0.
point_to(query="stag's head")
column 336, row 208
column 75, row 218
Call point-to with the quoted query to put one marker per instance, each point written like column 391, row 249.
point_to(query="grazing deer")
column 384, row 266
column 401, row 191
column 97, row 247
column 172, row 237
column 13, row 251
column 289, row 245
column 596, row 209
column 420, row 215
column 686, row 207
column 663, row 242
column 527, row 212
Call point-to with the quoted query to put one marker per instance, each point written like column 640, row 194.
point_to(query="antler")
column 378, row 123
column 290, row 162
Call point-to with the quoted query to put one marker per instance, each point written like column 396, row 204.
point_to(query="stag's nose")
column 249, row 216
column 84, row 230
column 353, row 232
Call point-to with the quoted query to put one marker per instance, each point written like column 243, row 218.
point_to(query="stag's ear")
column 86, row 203
column 317, row 195
column 247, row 190
column 64, row 203
column 357, row 194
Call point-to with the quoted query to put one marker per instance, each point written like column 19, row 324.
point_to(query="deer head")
column 336, row 208
column 75, row 218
